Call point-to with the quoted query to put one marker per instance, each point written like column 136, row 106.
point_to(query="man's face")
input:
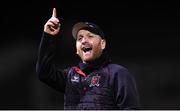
column 89, row 45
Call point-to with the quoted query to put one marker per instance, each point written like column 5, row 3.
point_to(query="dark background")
column 142, row 36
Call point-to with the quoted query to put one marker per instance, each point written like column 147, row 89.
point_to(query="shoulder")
column 116, row 67
column 119, row 71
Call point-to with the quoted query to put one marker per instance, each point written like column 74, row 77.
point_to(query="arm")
column 45, row 67
column 126, row 94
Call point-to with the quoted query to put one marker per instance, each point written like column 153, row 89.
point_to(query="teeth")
column 86, row 49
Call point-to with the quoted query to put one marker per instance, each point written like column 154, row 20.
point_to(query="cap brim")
column 77, row 27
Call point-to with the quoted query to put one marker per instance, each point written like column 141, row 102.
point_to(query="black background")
column 142, row 36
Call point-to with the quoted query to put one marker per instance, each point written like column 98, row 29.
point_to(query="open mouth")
column 87, row 49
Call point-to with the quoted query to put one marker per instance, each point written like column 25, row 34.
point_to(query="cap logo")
column 90, row 25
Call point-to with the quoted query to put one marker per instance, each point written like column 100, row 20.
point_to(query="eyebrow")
column 79, row 35
column 90, row 34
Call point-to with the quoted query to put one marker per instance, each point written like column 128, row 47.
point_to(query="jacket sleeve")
column 126, row 94
column 45, row 67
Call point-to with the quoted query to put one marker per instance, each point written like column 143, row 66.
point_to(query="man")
column 95, row 83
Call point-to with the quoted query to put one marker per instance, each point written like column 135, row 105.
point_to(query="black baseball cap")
column 87, row 26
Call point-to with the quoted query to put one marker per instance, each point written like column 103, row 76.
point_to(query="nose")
column 84, row 40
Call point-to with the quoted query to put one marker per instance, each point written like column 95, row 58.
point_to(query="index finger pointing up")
column 54, row 14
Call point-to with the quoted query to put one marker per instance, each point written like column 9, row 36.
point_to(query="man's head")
column 90, row 40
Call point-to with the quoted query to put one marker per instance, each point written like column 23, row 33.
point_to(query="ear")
column 103, row 44
column 77, row 52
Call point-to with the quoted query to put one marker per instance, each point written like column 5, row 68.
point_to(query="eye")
column 90, row 36
column 79, row 38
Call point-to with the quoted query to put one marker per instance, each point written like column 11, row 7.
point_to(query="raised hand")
column 52, row 26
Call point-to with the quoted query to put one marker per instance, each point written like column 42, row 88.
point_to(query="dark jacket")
column 96, row 85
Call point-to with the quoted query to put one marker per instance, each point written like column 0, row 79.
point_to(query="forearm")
column 46, row 53
column 45, row 67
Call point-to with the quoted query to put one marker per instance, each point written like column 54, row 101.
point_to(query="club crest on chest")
column 94, row 81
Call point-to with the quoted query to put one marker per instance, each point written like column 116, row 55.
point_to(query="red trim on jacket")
column 79, row 71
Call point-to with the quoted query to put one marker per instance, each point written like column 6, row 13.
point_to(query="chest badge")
column 94, row 81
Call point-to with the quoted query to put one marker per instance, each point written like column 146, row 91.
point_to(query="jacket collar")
column 98, row 63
